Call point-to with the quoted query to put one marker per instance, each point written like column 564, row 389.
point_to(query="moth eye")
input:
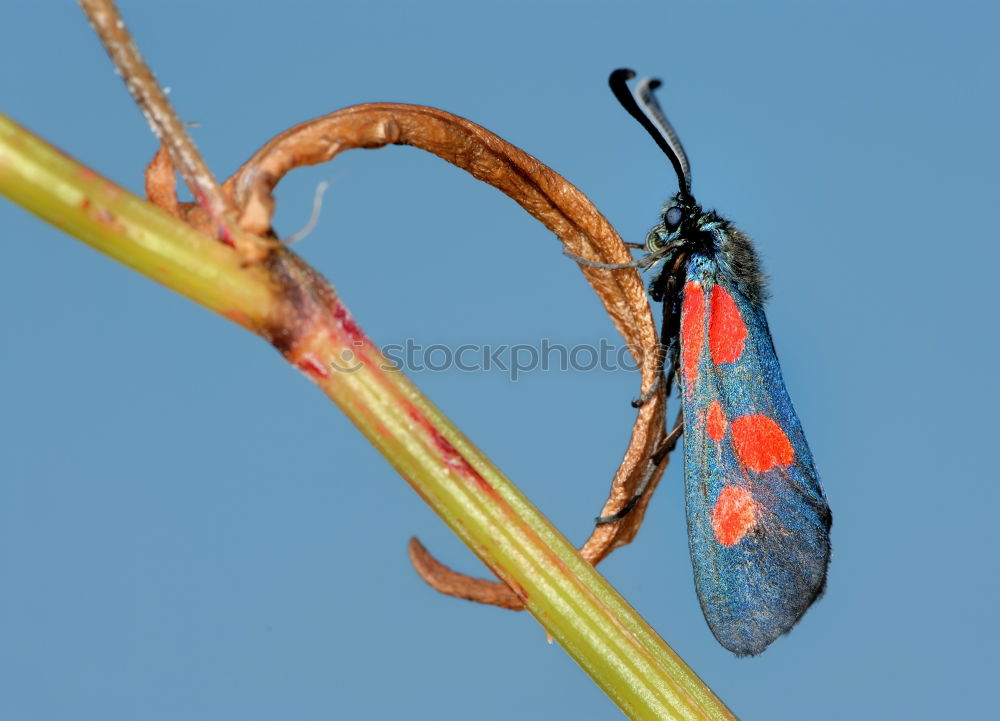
column 672, row 218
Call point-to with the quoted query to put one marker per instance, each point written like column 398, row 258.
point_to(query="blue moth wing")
column 758, row 521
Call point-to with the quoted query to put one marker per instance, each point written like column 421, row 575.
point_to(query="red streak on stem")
column 449, row 454
column 348, row 325
column 238, row 317
column 311, row 366
column 222, row 233
column 103, row 216
column 225, row 236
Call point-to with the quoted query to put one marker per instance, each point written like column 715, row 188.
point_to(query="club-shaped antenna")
column 651, row 116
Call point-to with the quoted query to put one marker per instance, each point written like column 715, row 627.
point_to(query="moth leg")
column 665, row 350
column 606, row 266
column 668, row 444
column 644, row 398
column 664, row 288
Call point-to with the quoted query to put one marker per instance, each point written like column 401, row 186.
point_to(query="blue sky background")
column 189, row 530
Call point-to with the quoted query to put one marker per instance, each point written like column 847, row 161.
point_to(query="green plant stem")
column 569, row 598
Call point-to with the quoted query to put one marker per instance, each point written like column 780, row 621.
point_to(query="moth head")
column 678, row 220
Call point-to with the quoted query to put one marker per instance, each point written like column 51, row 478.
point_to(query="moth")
column 758, row 520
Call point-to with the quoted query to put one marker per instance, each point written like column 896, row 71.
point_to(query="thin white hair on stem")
column 314, row 217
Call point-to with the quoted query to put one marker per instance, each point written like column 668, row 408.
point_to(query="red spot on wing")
column 716, row 423
column 760, row 443
column 726, row 330
column 734, row 514
column 692, row 331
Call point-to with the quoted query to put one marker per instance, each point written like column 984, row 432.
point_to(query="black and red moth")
column 758, row 521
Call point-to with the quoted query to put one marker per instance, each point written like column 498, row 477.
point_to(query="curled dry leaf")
column 161, row 189
column 544, row 194
column 445, row 580
column 161, row 183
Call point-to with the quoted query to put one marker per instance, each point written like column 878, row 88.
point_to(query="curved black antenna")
column 619, row 86
column 644, row 91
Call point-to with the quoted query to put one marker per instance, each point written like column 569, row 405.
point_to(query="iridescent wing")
column 758, row 521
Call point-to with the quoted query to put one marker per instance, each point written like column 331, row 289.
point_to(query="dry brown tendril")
column 538, row 189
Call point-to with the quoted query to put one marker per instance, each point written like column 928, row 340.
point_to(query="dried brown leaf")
column 548, row 197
